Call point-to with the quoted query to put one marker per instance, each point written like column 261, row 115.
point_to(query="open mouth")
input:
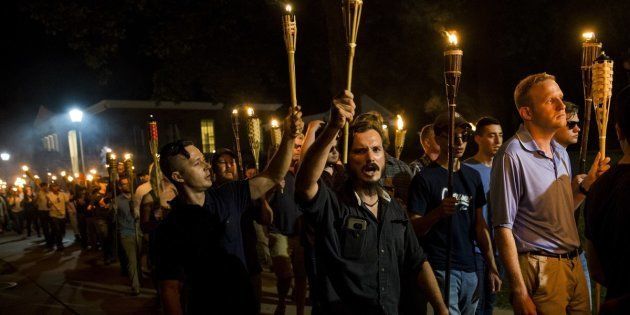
column 370, row 169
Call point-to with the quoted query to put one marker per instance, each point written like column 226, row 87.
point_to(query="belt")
column 569, row 255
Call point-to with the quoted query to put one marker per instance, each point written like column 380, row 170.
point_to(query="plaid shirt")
column 417, row 165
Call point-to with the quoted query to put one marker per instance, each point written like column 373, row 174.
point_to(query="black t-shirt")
column 607, row 215
column 285, row 209
column 426, row 192
column 361, row 260
column 203, row 247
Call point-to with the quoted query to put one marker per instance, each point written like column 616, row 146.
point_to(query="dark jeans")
column 44, row 220
column 32, row 220
column 18, row 221
column 487, row 299
column 106, row 237
column 58, row 231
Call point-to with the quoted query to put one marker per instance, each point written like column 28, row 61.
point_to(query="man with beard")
column 365, row 245
column 533, row 203
column 489, row 137
column 224, row 167
column 200, row 243
column 430, row 206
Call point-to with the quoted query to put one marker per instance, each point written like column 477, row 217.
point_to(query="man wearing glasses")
column 199, row 245
column 429, row 206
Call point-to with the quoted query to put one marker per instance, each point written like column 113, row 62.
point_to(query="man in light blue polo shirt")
column 532, row 203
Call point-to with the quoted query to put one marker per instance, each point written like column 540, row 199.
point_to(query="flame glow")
column 288, row 8
column 235, row 111
column 588, row 36
column 76, row 175
column 384, row 126
column 63, row 173
column 54, row 177
column 36, row 176
column 127, row 156
column 274, row 123
column 399, row 122
column 70, row 178
column 452, row 38
column 89, row 177
column 93, row 171
column 250, row 111
column 25, row 168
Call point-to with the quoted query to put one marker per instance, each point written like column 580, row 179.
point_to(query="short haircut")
column 426, row 132
column 483, row 122
column 361, row 126
column 521, row 92
column 571, row 109
column 43, row 184
column 622, row 114
column 169, row 151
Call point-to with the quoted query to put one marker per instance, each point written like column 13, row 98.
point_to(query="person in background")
column 58, row 204
column 30, row 211
column 430, row 147
column 489, row 137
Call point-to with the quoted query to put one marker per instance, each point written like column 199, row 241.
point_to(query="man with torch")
column 365, row 246
column 533, row 202
column 439, row 213
column 199, row 245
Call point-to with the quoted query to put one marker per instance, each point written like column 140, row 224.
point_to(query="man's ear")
column 177, row 177
column 526, row 113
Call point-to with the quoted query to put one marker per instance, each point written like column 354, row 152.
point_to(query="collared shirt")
column 396, row 177
column 361, row 259
column 531, row 194
column 417, row 165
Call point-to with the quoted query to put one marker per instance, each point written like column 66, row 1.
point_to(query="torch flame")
column 54, row 177
column 384, row 126
column 288, row 8
column 452, row 38
column 588, row 36
column 25, row 168
column 235, row 111
column 93, row 171
column 127, row 156
column 113, row 156
column 89, row 177
column 250, row 111
column 36, row 176
column 76, row 175
column 70, row 178
column 399, row 122
column 274, row 123
column 63, row 173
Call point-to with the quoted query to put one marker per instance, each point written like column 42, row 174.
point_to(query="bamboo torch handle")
column 291, row 55
column 346, row 127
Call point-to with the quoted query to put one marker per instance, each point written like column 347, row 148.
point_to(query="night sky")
column 232, row 51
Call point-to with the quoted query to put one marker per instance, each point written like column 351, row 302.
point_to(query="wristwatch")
column 582, row 189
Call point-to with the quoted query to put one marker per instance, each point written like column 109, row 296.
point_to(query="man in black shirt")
column 365, row 245
column 606, row 216
column 199, row 244
column 430, row 206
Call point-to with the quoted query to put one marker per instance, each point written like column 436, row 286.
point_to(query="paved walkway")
column 77, row 282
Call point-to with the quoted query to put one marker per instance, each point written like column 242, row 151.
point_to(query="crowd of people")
column 373, row 236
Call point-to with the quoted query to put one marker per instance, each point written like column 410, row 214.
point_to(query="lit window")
column 207, row 135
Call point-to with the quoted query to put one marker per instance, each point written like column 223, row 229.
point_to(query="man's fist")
column 293, row 122
column 342, row 109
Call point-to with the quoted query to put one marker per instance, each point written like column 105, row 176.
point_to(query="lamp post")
column 76, row 116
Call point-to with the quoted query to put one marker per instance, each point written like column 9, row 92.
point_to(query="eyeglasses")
column 572, row 124
column 464, row 137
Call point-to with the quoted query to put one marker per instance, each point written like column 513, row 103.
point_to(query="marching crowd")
column 373, row 236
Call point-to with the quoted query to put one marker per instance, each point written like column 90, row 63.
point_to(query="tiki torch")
column 590, row 50
column 351, row 17
column 290, row 38
column 452, row 75
column 253, row 133
column 237, row 139
column 276, row 135
column 602, row 75
column 399, row 139
column 129, row 168
column 156, row 171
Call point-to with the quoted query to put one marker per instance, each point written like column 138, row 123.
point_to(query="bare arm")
column 522, row 302
column 279, row 165
column 484, row 241
column 341, row 111
column 309, row 136
column 430, row 288
column 170, row 294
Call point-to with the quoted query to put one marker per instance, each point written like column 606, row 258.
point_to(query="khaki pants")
column 288, row 255
column 556, row 285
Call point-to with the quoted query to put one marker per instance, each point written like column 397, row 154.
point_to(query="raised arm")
column 600, row 165
column 341, row 111
column 279, row 165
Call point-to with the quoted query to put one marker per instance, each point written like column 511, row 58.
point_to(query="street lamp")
column 5, row 156
column 76, row 116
